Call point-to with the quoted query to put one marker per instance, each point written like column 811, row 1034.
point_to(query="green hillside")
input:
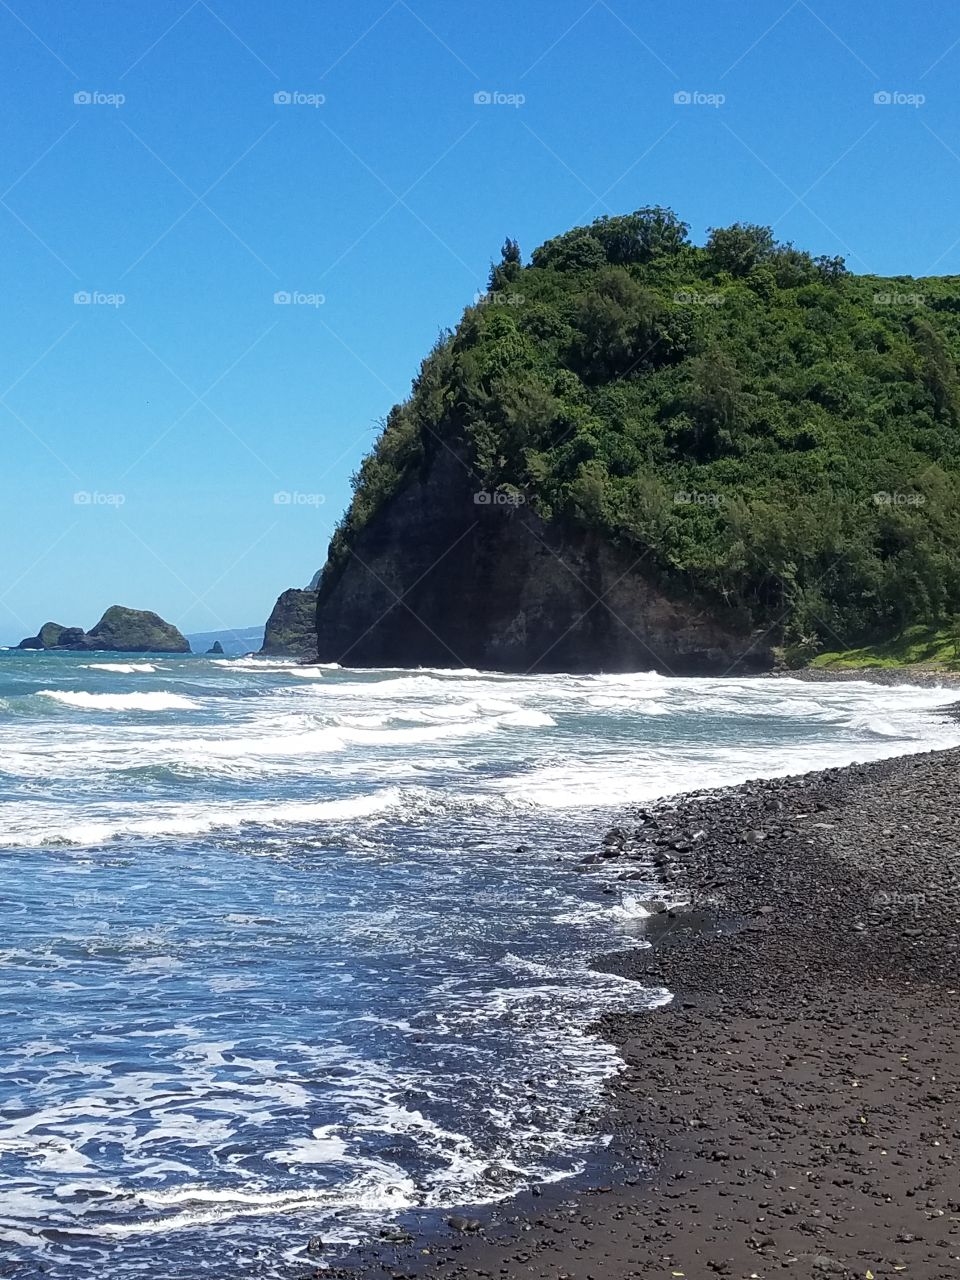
column 783, row 434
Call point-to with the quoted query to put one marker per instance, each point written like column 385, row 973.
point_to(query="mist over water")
column 289, row 950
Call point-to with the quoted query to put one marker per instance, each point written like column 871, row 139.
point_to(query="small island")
column 120, row 630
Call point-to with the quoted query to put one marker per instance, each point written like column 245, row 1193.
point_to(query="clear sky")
column 182, row 198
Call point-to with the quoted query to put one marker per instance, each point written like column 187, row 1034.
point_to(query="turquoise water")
column 288, row 951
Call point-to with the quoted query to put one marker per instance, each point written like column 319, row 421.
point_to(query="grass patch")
column 916, row 647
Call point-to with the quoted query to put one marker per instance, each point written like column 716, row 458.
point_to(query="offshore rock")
column 120, row 630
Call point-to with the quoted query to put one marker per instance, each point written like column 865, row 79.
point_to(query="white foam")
column 324, row 1147
column 628, row 911
column 210, row 1205
column 159, row 701
column 189, row 820
column 298, row 743
column 631, row 908
column 251, row 662
column 528, row 720
column 121, row 668
column 877, row 727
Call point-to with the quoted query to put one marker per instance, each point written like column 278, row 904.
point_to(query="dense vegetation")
column 782, row 433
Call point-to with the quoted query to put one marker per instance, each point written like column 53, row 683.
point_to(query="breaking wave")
column 121, row 668
column 120, row 701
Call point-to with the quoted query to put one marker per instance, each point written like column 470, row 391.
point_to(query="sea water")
column 289, row 950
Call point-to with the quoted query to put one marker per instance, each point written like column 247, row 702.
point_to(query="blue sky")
column 181, row 197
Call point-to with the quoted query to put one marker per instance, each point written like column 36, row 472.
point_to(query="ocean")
column 290, row 950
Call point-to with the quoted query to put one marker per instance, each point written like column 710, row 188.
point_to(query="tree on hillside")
column 939, row 371
column 625, row 329
column 740, row 248
column 631, row 238
column 508, row 268
column 641, row 236
column 716, row 405
column 510, row 252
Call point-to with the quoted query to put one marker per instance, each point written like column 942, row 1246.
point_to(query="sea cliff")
column 442, row 579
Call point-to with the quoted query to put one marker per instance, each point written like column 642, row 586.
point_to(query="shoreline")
column 793, row 1108
column 922, row 676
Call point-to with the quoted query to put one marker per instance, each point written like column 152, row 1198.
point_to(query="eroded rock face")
column 291, row 630
column 48, row 637
column 119, row 630
column 71, row 638
column 440, row 578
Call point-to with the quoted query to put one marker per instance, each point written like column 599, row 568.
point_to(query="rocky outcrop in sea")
column 120, row 630
column 291, row 630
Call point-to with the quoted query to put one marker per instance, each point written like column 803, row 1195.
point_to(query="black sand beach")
column 796, row 1108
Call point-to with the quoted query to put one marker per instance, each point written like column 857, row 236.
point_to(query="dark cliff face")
column 291, row 630
column 440, row 578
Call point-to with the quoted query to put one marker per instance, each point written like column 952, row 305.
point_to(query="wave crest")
column 159, row 701
column 121, row 668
